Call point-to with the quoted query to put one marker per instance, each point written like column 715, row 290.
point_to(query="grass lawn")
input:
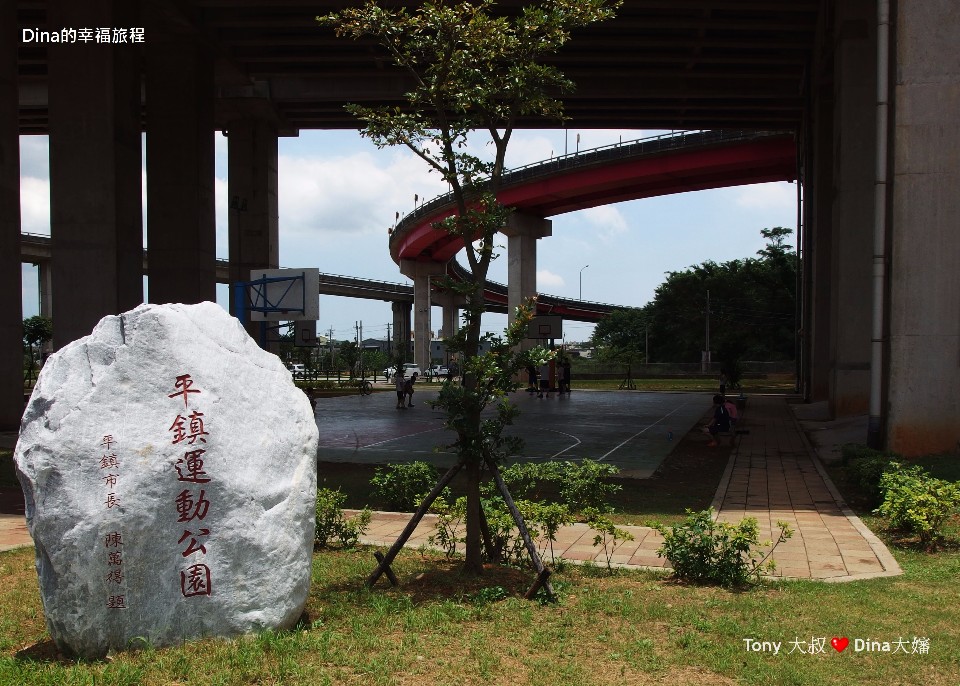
column 620, row 628
column 773, row 383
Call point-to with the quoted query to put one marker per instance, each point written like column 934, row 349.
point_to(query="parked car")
column 409, row 369
column 298, row 370
column 437, row 371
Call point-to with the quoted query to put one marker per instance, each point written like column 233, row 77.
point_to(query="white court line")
column 390, row 440
column 650, row 426
column 569, row 447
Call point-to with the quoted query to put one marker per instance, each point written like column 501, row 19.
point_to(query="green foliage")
column 549, row 518
column 622, row 335
column 579, row 485
column 449, row 519
column 471, row 72
column 508, row 545
column 402, row 486
column 37, row 330
column 918, row 503
column 331, row 524
column 752, row 311
column 609, row 535
column 585, row 485
column 864, row 467
column 704, row 551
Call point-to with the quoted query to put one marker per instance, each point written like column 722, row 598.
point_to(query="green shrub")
column 331, row 523
column 918, row 503
column 505, row 538
column 403, row 486
column 578, row 485
column 704, row 551
column 585, row 486
column 449, row 519
column 548, row 518
column 864, row 466
column 609, row 535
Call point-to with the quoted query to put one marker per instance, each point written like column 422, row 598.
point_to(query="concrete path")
column 772, row 475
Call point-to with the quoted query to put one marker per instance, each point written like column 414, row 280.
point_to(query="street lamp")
column 581, row 279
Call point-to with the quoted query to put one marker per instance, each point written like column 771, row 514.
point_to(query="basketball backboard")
column 545, row 327
column 284, row 294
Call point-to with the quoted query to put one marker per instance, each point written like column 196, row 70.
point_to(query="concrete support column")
column 95, row 171
column 522, row 233
column 181, row 232
column 924, row 283
column 45, row 281
column 851, row 283
column 401, row 329
column 421, row 273
column 253, row 213
column 451, row 304
column 817, row 225
column 11, row 309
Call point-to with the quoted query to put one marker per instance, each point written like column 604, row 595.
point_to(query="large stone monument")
column 169, row 470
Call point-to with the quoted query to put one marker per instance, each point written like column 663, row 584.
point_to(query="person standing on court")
column 408, row 389
column 544, row 380
column 401, row 391
column 565, row 376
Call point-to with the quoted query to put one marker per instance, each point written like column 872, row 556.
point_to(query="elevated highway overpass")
column 863, row 85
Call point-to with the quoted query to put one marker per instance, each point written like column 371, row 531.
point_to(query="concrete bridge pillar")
column 401, row 329
column 923, row 399
column 421, row 273
column 181, row 232
column 95, row 171
column 45, row 279
column 11, row 310
column 253, row 207
column 451, row 304
column 854, row 171
column 522, row 233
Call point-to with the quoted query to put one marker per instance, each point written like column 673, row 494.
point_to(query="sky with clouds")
column 339, row 194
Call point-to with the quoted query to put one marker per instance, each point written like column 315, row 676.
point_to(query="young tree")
column 37, row 330
column 472, row 71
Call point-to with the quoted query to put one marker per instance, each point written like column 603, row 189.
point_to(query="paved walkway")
column 772, row 475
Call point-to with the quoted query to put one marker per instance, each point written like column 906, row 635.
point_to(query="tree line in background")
column 751, row 310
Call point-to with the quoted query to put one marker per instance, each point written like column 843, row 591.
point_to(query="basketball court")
column 634, row 431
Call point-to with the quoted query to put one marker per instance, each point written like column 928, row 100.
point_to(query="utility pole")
column 706, row 358
column 330, row 341
column 389, row 341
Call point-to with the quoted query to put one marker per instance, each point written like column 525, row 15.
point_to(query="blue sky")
column 339, row 193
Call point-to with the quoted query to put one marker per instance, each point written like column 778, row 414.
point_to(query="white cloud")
column 547, row 279
column 34, row 205
column 767, row 196
column 605, row 222
column 356, row 194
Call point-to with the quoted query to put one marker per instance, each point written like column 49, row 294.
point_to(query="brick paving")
column 772, row 475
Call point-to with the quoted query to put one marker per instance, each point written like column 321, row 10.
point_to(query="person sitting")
column 720, row 422
column 731, row 408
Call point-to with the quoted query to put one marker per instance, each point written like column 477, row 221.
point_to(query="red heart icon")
column 839, row 644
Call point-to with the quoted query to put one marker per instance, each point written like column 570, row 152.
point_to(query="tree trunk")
column 473, row 564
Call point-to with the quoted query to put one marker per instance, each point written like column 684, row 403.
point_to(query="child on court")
column 720, row 422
